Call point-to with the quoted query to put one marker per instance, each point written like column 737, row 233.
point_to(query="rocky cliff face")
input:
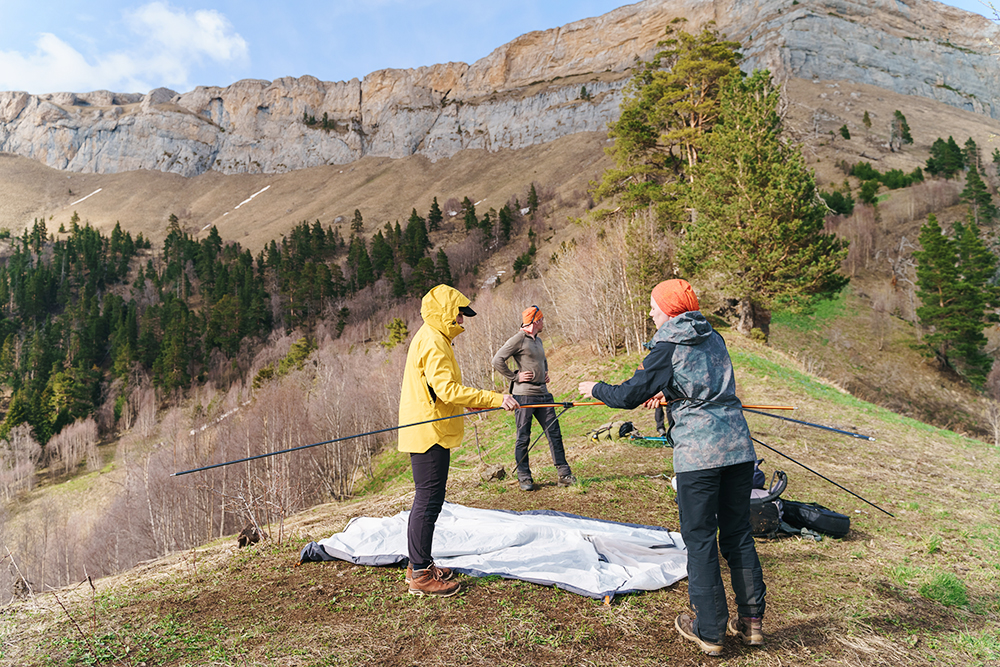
column 525, row 92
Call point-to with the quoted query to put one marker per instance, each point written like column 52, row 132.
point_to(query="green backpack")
column 613, row 431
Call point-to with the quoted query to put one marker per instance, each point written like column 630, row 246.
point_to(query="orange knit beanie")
column 675, row 297
column 530, row 315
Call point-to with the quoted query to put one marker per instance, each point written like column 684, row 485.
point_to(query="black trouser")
column 430, row 478
column 658, row 417
column 547, row 418
column 710, row 501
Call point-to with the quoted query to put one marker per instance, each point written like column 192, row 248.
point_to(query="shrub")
column 865, row 171
column 839, row 202
column 869, row 191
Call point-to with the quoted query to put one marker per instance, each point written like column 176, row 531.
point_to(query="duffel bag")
column 815, row 517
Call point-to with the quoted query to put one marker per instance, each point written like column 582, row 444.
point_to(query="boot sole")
column 419, row 593
column 408, row 581
column 713, row 650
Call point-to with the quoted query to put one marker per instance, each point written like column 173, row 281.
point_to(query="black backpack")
column 816, row 517
column 766, row 506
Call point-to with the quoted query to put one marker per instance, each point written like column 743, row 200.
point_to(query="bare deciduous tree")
column 19, row 455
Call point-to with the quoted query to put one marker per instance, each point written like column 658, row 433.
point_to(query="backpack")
column 766, row 506
column 612, row 431
column 817, row 518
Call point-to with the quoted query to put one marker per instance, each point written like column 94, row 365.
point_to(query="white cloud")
column 204, row 33
column 164, row 46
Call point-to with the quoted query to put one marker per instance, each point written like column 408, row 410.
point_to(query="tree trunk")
column 753, row 317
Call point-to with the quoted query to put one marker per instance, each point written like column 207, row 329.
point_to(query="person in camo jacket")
column 713, row 462
column 528, row 386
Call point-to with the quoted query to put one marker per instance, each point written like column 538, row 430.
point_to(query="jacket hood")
column 439, row 308
column 690, row 328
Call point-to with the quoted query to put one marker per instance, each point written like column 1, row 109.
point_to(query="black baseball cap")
column 467, row 311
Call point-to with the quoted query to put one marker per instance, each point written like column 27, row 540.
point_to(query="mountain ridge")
column 526, row 92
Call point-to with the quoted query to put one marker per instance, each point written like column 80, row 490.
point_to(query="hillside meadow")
column 918, row 589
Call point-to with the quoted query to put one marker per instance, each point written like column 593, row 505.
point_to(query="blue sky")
column 137, row 45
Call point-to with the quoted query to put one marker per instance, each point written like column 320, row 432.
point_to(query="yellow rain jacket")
column 432, row 381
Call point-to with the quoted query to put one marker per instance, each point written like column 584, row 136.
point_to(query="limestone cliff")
column 526, row 92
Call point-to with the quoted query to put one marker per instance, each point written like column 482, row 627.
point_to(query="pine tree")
column 424, row 277
column 759, row 222
column 970, row 154
column 434, row 217
column 469, row 214
column 381, row 254
column 443, row 268
column 363, row 274
column 946, row 158
column 486, row 225
column 899, row 131
column 398, row 284
column 505, row 223
column 982, row 211
column 955, row 289
column 415, row 242
column 532, row 199
column 667, row 110
column 357, row 223
column 956, row 158
column 866, row 121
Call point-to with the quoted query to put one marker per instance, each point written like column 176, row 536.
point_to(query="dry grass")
column 858, row 601
column 384, row 190
column 855, row 601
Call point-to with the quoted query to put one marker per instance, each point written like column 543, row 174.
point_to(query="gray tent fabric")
column 582, row 555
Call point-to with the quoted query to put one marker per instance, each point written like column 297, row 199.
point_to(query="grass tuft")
column 947, row 589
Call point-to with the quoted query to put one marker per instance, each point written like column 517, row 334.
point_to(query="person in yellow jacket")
column 432, row 389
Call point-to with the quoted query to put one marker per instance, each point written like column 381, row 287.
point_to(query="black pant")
column 710, row 501
column 550, row 425
column 430, row 478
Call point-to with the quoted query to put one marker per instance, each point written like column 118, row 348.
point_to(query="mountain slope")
column 916, row 589
column 526, row 92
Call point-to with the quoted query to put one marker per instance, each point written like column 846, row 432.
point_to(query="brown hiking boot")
column 749, row 630
column 443, row 573
column 429, row 582
column 566, row 480
column 685, row 625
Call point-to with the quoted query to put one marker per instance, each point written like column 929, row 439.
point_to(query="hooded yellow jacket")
column 432, row 381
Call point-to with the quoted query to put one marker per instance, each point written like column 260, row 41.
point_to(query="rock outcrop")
column 528, row 91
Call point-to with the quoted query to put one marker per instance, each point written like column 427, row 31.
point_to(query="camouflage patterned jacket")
column 688, row 359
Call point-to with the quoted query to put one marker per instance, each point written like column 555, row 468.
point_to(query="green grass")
column 817, row 313
column 983, row 645
column 947, row 589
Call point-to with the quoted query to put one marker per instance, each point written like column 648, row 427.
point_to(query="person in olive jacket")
column 528, row 385
column 432, row 388
column 713, row 461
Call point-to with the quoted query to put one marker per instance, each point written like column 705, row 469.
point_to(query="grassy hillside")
column 918, row 589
